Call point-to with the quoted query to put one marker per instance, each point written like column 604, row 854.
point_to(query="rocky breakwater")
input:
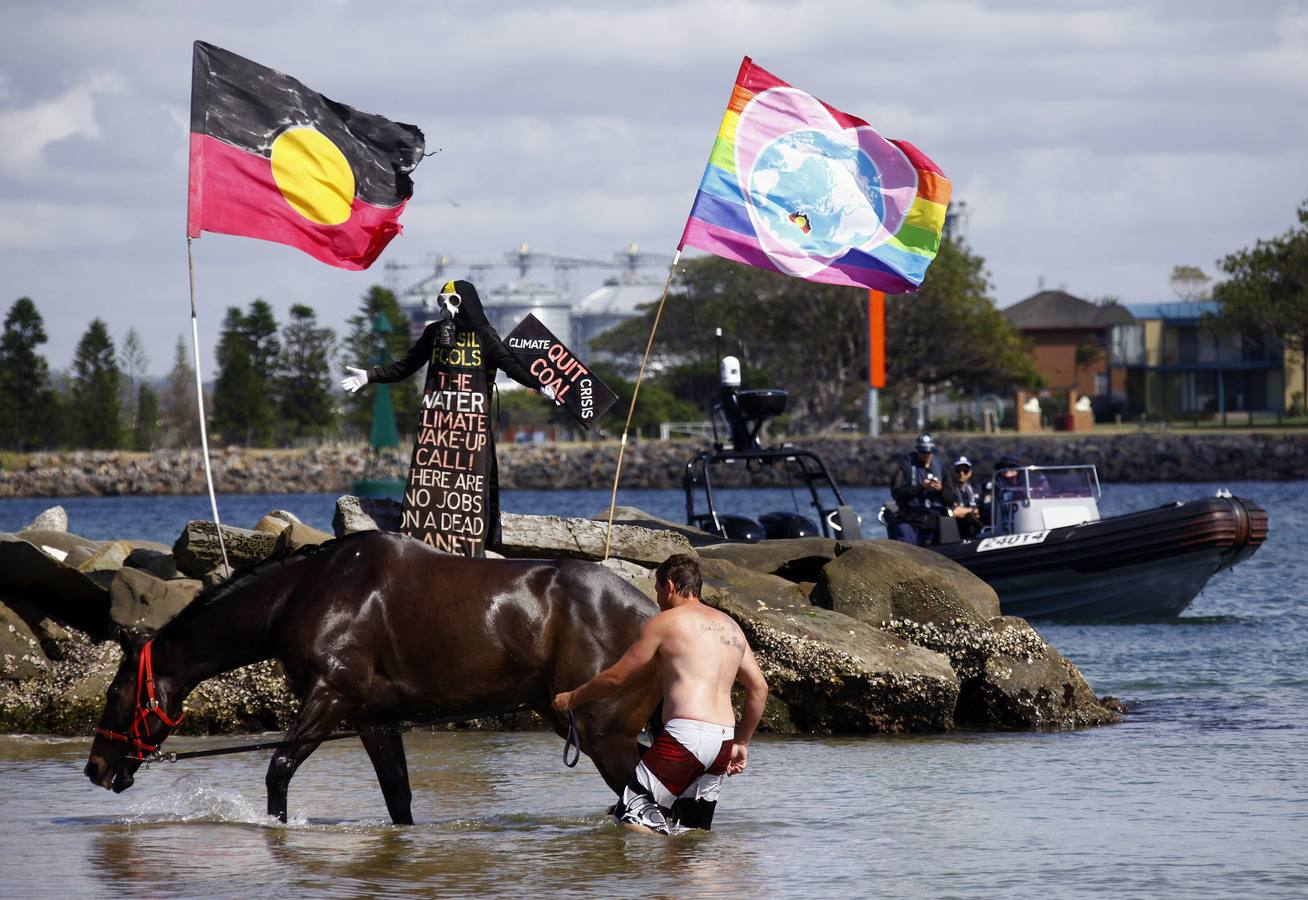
column 853, row 637
column 853, row 461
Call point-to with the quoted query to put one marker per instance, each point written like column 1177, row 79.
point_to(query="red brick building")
column 1069, row 338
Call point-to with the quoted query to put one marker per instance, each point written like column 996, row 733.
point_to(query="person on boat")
column 452, row 497
column 700, row 652
column 962, row 499
column 917, row 487
column 1007, row 479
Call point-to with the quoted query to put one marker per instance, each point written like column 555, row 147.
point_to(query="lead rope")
column 572, row 743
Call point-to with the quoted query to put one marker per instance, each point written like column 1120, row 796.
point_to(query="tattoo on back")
column 728, row 634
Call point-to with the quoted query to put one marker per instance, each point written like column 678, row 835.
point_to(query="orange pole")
column 876, row 339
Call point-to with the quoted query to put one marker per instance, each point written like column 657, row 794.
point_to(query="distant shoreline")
column 853, row 460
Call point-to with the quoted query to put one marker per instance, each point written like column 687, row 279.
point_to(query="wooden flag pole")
column 199, row 401
column 631, row 409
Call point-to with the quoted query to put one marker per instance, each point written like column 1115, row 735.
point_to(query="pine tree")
column 305, row 376
column 181, row 418
column 94, row 393
column 26, row 397
column 145, row 432
column 360, row 351
column 244, row 406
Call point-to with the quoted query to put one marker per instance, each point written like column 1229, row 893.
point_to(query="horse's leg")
column 385, row 747
column 320, row 714
column 615, row 755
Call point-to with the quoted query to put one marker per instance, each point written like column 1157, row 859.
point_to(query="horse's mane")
column 242, row 576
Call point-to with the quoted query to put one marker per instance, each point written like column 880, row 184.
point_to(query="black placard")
column 445, row 498
column 550, row 361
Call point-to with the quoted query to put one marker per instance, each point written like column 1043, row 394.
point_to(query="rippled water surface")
column 1200, row 793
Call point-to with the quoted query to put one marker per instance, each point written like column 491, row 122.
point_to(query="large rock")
column 877, row 581
column 630, row 515
column 1008, row 675
column 830, row 673
column 109, row 558
column 139, row 601
column 354, row 514
column 795, row 559
column 60, row 544
column 276, row 521
column 197, row 550
column 159, row 564
column 21, row 656
column 52, row 519
column 1026, row 684
column 53, row 637
column 297, row 535
column 555, row 537
column 51, row 586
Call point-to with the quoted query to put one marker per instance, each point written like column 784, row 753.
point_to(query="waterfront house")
column 1175, row 367
column 1069, row 340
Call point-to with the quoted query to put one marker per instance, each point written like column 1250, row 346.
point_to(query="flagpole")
column 199, row 401
column 631, row 409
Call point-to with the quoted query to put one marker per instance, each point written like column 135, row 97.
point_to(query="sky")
column 1095, row 144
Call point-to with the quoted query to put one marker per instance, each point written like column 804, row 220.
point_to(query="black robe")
column 452, row 495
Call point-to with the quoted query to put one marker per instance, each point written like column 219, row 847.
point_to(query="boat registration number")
column 1011, row 540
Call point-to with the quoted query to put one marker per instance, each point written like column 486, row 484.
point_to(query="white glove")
column 548, row 393
column 355, row 380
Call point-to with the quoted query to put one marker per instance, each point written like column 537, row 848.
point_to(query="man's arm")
column 606, row 683
column 756, row 694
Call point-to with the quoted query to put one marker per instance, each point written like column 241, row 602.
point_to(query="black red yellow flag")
column 274, row 160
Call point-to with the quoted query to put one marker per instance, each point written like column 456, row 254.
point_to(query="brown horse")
column 376, row 628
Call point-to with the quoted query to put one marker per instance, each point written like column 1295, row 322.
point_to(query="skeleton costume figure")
column 451, row 497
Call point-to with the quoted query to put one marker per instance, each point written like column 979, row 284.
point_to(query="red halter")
column 140, row 726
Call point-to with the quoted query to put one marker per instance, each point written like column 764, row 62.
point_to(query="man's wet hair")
column 683, row 572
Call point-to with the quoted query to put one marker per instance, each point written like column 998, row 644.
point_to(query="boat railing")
column 1040, row 498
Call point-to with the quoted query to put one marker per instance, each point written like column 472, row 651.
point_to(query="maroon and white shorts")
column 687, row 759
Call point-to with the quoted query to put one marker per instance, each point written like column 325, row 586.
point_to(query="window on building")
column 1126, row 345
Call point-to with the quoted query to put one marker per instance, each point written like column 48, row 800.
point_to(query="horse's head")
column 138, row 715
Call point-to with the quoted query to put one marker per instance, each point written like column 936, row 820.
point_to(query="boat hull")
column 1146, row 565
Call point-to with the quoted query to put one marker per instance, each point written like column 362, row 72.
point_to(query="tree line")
column 274, row 383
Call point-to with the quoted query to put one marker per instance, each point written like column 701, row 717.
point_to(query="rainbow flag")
column 800, row 187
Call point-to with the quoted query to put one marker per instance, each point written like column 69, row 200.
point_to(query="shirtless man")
column 700, row 652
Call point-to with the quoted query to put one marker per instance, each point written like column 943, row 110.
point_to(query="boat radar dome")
column 730, row 371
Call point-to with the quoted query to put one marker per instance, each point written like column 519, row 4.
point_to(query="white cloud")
column 26, row 132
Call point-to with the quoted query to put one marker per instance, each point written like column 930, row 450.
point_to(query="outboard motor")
column 737, row 528
column 746, row 411
column 788, row 525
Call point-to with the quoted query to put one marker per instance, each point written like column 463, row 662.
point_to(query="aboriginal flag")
column 271, row 159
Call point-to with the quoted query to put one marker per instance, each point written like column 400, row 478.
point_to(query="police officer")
column 1004, row 479
column 962, row 500
column 917, row 488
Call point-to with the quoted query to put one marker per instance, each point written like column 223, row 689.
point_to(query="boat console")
column 1041, row 498
column 744, row 413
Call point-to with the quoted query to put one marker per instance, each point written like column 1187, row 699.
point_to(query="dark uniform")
column 956, row 494
column 920, row 508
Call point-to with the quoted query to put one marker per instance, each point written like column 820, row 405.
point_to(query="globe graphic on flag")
column 817, row 195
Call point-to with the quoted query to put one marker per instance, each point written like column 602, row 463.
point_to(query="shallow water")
column 1201, row 792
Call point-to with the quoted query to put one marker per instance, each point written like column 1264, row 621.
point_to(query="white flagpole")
column 199, row 401
column 631, row 409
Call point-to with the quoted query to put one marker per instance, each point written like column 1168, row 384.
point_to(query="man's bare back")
column 699, row 653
